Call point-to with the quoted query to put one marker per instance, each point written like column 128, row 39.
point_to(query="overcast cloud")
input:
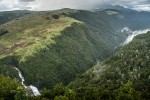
column 141, row 5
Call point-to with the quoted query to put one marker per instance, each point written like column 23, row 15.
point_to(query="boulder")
column 3, row 32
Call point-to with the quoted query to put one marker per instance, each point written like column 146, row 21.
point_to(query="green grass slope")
column 31, row 33
column 125, row 75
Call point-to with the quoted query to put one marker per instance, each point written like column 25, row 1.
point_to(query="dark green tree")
column 128, row 92
column 11, row 89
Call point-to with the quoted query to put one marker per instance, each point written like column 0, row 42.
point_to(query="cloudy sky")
column 141, row 5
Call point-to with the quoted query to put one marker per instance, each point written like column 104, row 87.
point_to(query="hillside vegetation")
column 11, row 89
column 49, row 47
column 27, row 36
column 31, row 33
column 125, row 75
column 54, row 46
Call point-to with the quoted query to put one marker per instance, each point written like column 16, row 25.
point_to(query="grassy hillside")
column 25, row 37
column 31, row 33
column 124, row 75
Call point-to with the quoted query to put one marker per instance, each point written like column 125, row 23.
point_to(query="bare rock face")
column 3, row 32
column 55, row 16
column 32, row 91
column 29, row 91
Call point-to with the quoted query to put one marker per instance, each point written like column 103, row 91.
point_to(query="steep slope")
column 108, row 27
column 26, row 37
column 109, row 23
column 108, row 79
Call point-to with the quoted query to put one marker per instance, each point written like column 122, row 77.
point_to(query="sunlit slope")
column 32, row 33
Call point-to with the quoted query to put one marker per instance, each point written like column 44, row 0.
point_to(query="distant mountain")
column 54, row 46
column 11, row 15
column 124, row 75
column 117, row 7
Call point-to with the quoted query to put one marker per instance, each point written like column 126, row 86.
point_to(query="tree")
column 11, row 89
column 127, row 92
column 61, row 98
column 59, row 92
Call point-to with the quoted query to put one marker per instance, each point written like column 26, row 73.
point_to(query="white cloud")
column 75, row 4
column 145, row 7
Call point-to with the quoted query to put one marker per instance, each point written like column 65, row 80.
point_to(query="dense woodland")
column 13, row 90
column 128, row 69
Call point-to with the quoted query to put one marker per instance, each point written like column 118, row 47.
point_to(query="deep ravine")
column 33, row 88
column 129, row 39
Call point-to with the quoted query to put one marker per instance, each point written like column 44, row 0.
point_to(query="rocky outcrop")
column 3, row 32
column 29, row 91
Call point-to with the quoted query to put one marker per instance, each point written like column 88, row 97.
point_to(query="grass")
column 29, row 34
column 111, row 12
